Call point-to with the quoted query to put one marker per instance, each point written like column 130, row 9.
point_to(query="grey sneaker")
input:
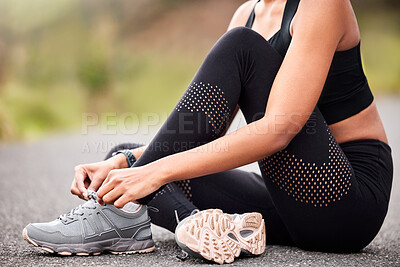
column 220, row 237
column 92, row 229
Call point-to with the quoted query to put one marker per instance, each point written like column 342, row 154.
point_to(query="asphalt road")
column 34, row 187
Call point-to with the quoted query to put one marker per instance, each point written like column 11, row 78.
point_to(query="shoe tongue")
column 88, row 204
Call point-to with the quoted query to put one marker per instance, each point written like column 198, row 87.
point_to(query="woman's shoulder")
column 329, row 16
column 324, row 5
column 242, row 14
column 319, row 11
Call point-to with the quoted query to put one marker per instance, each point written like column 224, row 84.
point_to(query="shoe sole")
column 215, row 236
column 77, row 249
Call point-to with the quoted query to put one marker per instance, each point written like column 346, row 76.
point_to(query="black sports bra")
column 346, row 91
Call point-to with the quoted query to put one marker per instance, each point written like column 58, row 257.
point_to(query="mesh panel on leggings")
column 166, row 189
column 306, row 181
column 210, row 100
column 184, row 185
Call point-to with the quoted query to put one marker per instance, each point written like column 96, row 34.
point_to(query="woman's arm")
column 317, row 31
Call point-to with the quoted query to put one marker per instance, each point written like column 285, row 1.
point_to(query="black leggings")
column 315, row 194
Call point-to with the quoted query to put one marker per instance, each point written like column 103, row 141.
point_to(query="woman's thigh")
column 319, row 196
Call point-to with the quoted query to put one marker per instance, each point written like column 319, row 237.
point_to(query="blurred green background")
column 59, row 59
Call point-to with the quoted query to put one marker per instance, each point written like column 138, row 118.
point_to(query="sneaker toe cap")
column 39, row 233
column 34, row 233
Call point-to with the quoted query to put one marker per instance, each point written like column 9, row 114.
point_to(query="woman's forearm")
column 246, row 145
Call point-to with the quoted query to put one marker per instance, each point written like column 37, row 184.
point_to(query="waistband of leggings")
column 367, row 141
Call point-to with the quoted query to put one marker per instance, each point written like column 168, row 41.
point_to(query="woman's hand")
column 125, row 185
column 91, row 176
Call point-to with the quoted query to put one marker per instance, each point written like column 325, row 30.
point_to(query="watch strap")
column 130, row 158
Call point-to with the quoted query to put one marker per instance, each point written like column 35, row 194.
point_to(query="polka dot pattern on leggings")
column 209, row 99
column 184, row 185
column 318, row 185
column 167, row 188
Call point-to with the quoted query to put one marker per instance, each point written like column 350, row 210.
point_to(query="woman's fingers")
column 121, row 202
column 80, row 176
column 87, row 183
column 104, row 189
column 111, row 189
column 95, row 184
column 123, row 186
column 111, row 196
column 100, row 201
column 75, row 190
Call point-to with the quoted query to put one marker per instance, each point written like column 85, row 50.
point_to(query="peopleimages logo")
column 129, row 123
column 111, row 123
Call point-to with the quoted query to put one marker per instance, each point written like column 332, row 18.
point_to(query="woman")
column 295, row 72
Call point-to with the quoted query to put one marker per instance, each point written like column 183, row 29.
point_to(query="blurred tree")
column 94, row 74
column 2, row 63
column 6, row 127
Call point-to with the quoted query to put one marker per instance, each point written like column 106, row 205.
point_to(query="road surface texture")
column 34, row 187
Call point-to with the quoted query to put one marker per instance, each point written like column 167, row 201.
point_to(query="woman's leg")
column 247, row 193
column 240, row 69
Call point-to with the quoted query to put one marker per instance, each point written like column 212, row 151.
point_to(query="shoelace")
column 78, row 211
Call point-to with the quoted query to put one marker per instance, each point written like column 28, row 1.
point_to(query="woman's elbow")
column 281, row 142
column 279, row 136
column 284, row 129
column 277, row 142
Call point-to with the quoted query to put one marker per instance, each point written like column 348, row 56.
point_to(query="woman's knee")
column 244, row 44
column 240, row 35
column 244, row 38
